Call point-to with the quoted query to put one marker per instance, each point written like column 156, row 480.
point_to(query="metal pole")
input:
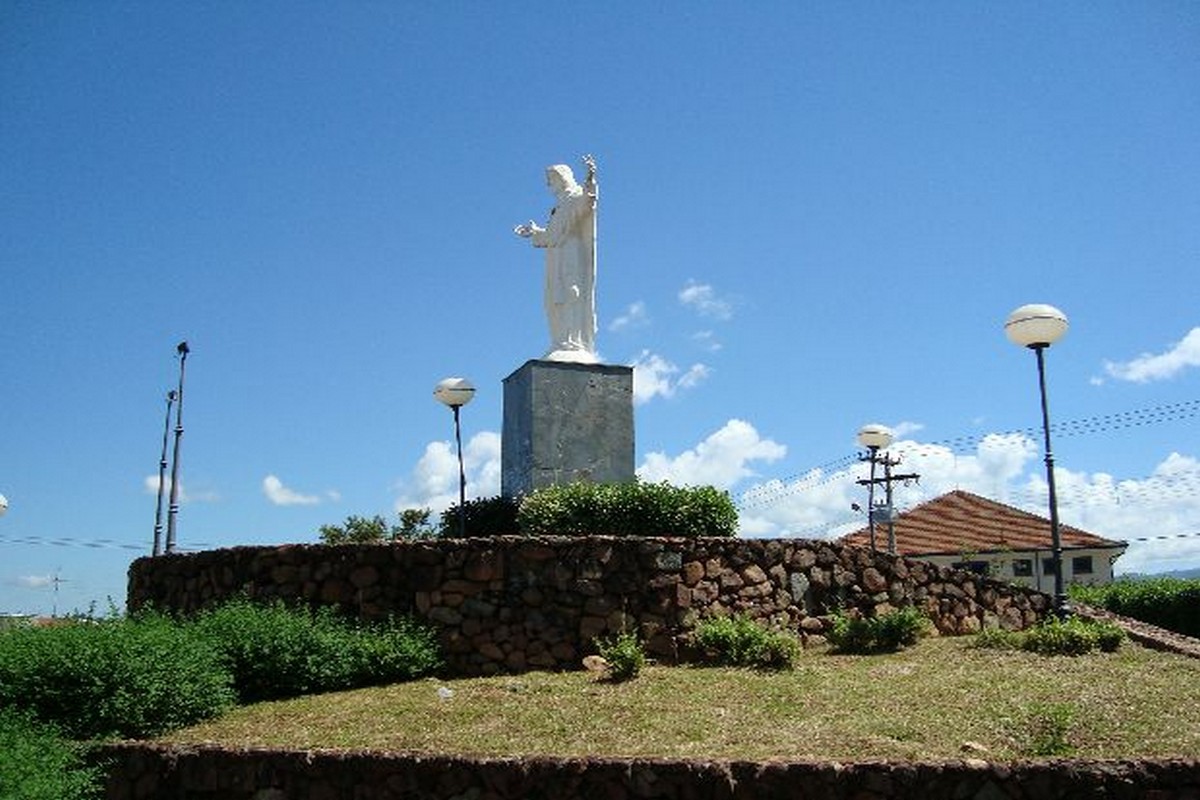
column 871, row 497
column 887, row 483
column 462, row 479
column 1061, row 608
column 162, row 477
column 173, row 510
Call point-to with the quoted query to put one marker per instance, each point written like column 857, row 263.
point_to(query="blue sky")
column 813, row 216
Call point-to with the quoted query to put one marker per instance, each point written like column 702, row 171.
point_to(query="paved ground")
column 1144, row 633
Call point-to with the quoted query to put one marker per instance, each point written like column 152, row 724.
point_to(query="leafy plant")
column 414, row 524
column 1169, row 603
column 124, row 677
column 853, row 633
column 37, row 763
column 739, row 641
column 274, row 651
column 1048, row 726
column 624, row 655
column 627, row 509
column 1072, row 637
column 999, row 639
column 487, row 516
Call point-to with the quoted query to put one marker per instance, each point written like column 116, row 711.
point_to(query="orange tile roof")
column 960, row 522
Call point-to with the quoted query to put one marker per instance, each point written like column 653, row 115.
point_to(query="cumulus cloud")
column 433, row 481
column 721, row 460
column 707, row 340
column 281, row 495
column 35, row 581
column 1154, row 514
column 654, row 376
column 635, row 316
column 150, row 486
column 1158, row 366
column 704, row 300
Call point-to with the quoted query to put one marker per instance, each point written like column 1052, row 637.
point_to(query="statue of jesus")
column 569, row 240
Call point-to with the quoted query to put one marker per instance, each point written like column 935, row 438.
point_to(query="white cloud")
column 654, row 376
column 707, row 340
column 150, row 486
column 1161, row 366
column 35, row 581
column 635, row 316
column 721, row 460
column 1162, row 508
column 433, row 481
column 703, row 298
column 281, row 495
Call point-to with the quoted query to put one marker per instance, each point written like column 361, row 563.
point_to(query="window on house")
column 978, row 567
column 1081, row 565
column 1022, row 567
column 1048, row 566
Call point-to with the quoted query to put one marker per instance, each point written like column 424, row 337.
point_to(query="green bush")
column 999, row 639
column 1072, row 637
column 627, row 509
column 739, row 641
column 1047, row 729
column 885, row 633
column 487, row 516
column 132, row 677
column 274, row 651
column 36, row 763
column 1170, row 603
column 624, row 655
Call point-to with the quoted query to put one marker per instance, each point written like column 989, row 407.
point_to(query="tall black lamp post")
column 456, row 393
column 173, row 508
column 1037, row 326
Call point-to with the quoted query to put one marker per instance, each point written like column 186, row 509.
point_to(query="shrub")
column 999, row 639
column 1169, row 603
column 624, row 655
column 487, row 516
column 1047, row 727
column 274, row 651
column 131, row 677
column 627, row 509
column 1072, row 637
column 739, row 641
column 885, row 633
column 36, row 763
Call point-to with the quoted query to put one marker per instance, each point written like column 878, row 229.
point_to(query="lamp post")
column 873, row 437
column 173, row 508
column 162, row 478
column 1037, row 326
column 456, row 393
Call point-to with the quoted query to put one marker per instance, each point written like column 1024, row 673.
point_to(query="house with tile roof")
column 965, row 530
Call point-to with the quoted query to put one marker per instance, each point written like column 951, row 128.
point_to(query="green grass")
column 921, row 703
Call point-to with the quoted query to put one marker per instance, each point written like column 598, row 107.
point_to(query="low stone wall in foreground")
column 510, row 604
column 142, row 771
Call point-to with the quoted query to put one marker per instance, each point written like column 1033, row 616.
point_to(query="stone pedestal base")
column 566, row 422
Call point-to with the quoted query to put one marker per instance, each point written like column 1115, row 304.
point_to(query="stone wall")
column 144, row 771
column 516, row 603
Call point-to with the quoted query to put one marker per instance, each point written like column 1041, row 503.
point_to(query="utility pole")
column 162, row 478
column 173, row 510
column 887, row 480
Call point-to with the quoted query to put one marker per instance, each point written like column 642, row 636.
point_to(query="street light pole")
column 173, row 509
column 162, row 477
column 1037, row 326
column 456, row 393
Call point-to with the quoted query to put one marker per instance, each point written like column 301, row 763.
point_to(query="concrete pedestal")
column 566, row 422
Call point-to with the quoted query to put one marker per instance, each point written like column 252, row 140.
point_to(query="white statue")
column 569, row 239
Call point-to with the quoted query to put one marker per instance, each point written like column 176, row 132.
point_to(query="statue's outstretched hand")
column 526, row 230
